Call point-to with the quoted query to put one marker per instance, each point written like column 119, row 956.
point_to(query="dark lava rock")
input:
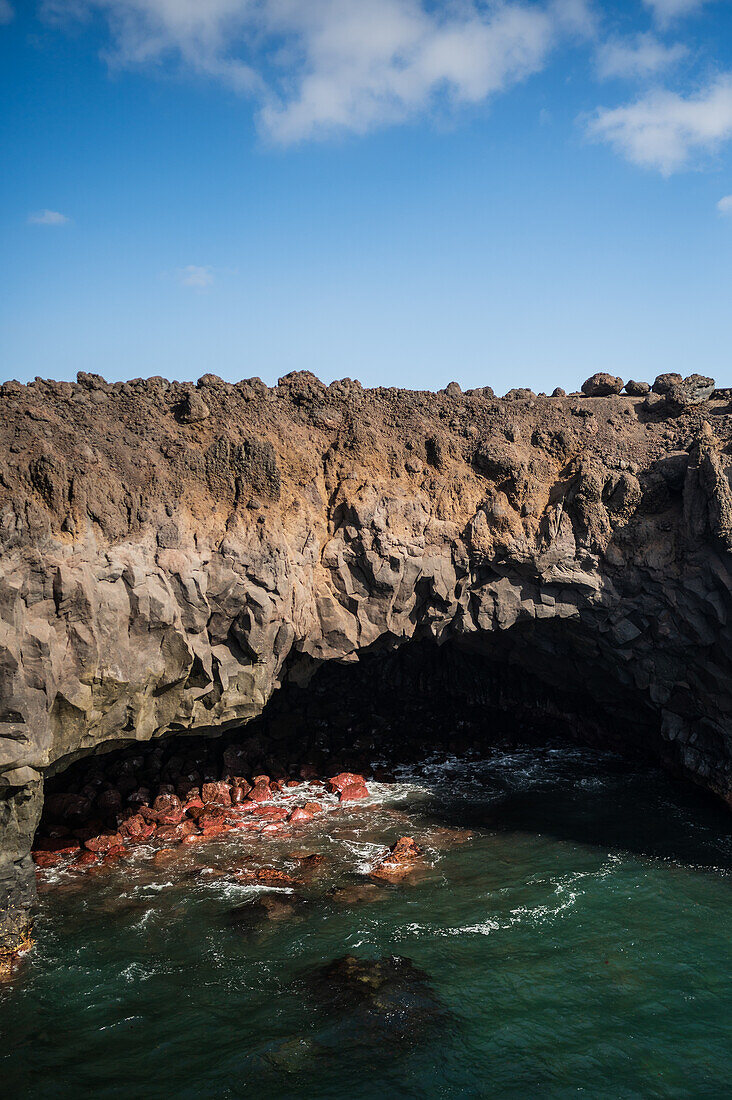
column 387, row 999
column 694, row 390
column 636, row 389
column 602, row 385
column 664, row 382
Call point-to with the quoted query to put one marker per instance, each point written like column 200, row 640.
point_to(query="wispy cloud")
column 7, row 13
column 666, row 11
column 319, row 67
column 638, row 57
column 196, row 276
column 724, row 206
column 48, row 217
column 664, row 130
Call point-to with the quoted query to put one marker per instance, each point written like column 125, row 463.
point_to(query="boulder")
column 637, row 389
column 103, row 842
column 299, row 815
column 193, row 409
column 664, row 382
column 602, row 385
column 353, row 792
column 344, row 779
column 218, row 793
column 694, row 390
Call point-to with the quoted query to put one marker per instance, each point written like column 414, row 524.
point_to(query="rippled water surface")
column 578, row 941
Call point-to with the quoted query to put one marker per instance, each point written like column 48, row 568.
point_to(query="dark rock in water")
column 358, row 894
column 262, row 910
column 387, row 999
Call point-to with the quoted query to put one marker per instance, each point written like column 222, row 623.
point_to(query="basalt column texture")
column 171, row 553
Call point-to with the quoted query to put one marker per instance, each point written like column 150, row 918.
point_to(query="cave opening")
column 394, row 704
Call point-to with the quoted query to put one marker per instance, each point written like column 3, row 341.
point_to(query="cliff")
column 171, row 553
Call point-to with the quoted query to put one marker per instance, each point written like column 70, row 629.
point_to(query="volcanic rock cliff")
column 172, row 553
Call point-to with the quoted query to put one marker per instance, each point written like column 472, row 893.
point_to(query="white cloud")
column 197, row 277
column 664, row 130
column 324, row 66
column 666, row 11
column 638, row 57
column 48, row 217
column 7, row 14
column 724, row 206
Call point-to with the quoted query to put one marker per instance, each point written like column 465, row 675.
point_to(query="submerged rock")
column 387, row 999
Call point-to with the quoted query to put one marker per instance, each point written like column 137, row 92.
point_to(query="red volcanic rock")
column 300, row 814
column 260, row 792
column 115, row 853
column 293, row 783
column 192, row 806
column 216, row 792
column 353, row 792
column 47, row 859
column 313, row 807
column 274, row 813
column 262, row 780
column 271, row 827
column 86, row 859
column 212, row 829
column 345, row 779
column 238, row 795
column 63, row 846
column 405, row 850
column 193, row 838
column 103, row 843
column 400, row 859
column 136, row 828
column 266, row 876
column 172, row 817
column 211, row 816
column 166, row 804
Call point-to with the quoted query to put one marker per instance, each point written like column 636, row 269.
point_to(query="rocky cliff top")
column 119, row 458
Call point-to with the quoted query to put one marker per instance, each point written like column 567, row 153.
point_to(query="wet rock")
column 354, row 792
column 358, row 894
column 387, row 999
column 602, row 385
column 313, row 808
column 265, row 876
column 344, row 779
column 262, row 910
column 299, row 816
column 260, row 792
column 218, row 793
column 402, row 858
column 103, row 842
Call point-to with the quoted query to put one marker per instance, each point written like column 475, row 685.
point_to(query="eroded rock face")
column 164, row 570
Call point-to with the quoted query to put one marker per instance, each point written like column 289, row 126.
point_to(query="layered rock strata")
column 172, row 553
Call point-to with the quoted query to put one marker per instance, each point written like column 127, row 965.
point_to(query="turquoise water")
column 578, row 942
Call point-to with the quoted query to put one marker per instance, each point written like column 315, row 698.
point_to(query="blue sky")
column 402, row 191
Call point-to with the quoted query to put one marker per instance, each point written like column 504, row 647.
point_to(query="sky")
column 407, row 192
